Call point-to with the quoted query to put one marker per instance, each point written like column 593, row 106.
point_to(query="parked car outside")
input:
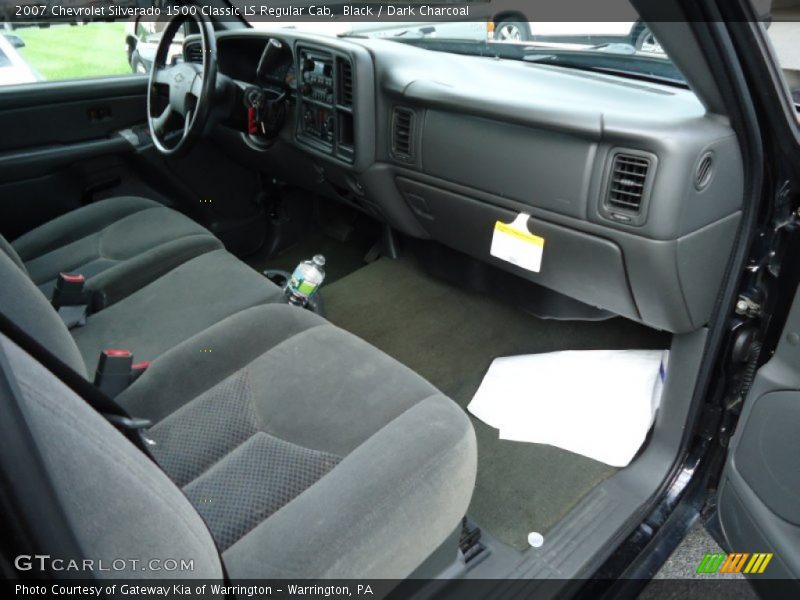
column 141, row 41
column 511, row 25
column 13, row 68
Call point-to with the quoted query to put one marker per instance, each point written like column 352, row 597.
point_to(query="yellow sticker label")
column 512, row 242
column 522, row 235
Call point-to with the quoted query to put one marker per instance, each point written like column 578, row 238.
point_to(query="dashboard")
column 635, row 187
column 318, row 80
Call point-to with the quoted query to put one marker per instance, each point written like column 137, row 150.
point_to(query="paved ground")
column 687, row 556
column 679, row 580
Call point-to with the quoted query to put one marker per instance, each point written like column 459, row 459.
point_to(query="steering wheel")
column 189, row 87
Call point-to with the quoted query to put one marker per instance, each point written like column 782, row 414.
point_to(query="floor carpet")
column 450, row 337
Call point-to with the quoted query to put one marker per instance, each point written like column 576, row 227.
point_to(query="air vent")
column 194, row 53
column 627, row 183
column 705, row 170
column 402, row 133
column 345, row 83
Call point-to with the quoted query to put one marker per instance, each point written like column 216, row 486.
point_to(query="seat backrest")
column 118, row 504
column 8, row 250
column 25, row 305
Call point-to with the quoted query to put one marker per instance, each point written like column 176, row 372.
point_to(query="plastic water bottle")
column 305, row 280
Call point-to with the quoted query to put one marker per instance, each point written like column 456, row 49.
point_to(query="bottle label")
column 299, row 285
column 307, row 288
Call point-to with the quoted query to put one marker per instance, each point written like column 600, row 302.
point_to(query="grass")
column 75, row 52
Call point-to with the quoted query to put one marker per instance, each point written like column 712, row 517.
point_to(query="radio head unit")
column 325, row 102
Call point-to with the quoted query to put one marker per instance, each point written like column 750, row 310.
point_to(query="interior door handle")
column 98, row 186
column 98, row 113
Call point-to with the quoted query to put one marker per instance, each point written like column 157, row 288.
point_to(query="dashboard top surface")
column 523, row 92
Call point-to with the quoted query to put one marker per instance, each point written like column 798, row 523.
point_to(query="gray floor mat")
column 450, row 337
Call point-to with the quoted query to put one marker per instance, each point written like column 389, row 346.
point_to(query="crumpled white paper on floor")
column 598, row 403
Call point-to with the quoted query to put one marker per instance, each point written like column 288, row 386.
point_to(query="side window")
column 35, row 52
column 783, row 30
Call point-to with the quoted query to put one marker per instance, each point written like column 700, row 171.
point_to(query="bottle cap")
column 535, row 539
column 319, row 259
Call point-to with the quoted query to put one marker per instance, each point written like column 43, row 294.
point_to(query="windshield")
column 619, row 47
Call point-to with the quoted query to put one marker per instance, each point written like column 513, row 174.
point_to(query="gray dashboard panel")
column 667, row 284
column 571, row 261
column 540, row 167
column 493, row 137
column 470, row 103
column 539, row 139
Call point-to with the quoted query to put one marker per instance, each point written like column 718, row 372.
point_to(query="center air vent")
column 403, row 134
column 345, row 82
column 194, row 53
column 627, row 186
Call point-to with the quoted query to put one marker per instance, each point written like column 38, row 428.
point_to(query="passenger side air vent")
column 345, row 82
column 627, row 183
column 194, row 53
column 403, row 134
column 704, row 173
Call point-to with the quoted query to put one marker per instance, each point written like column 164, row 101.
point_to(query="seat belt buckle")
column 116, row 371
column 71, row 299
column 137, row 369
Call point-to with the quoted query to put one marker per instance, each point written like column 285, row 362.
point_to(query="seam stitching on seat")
column 102, row 232
column 221, row 458
column 52, row 250
column 199, row 234
column 228, row 374
column 185, row 252
column 183, row 256
column 232, row 450
column 390, row 497
column 98, row 231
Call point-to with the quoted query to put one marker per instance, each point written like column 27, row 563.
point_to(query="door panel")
column 769, row 468
column 60, row 148
column 57, row 154
column 68, row 112
column 759, row 495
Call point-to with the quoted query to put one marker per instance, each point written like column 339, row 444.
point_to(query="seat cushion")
column 174, row 307
column 308, row 452
column 119, row 245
